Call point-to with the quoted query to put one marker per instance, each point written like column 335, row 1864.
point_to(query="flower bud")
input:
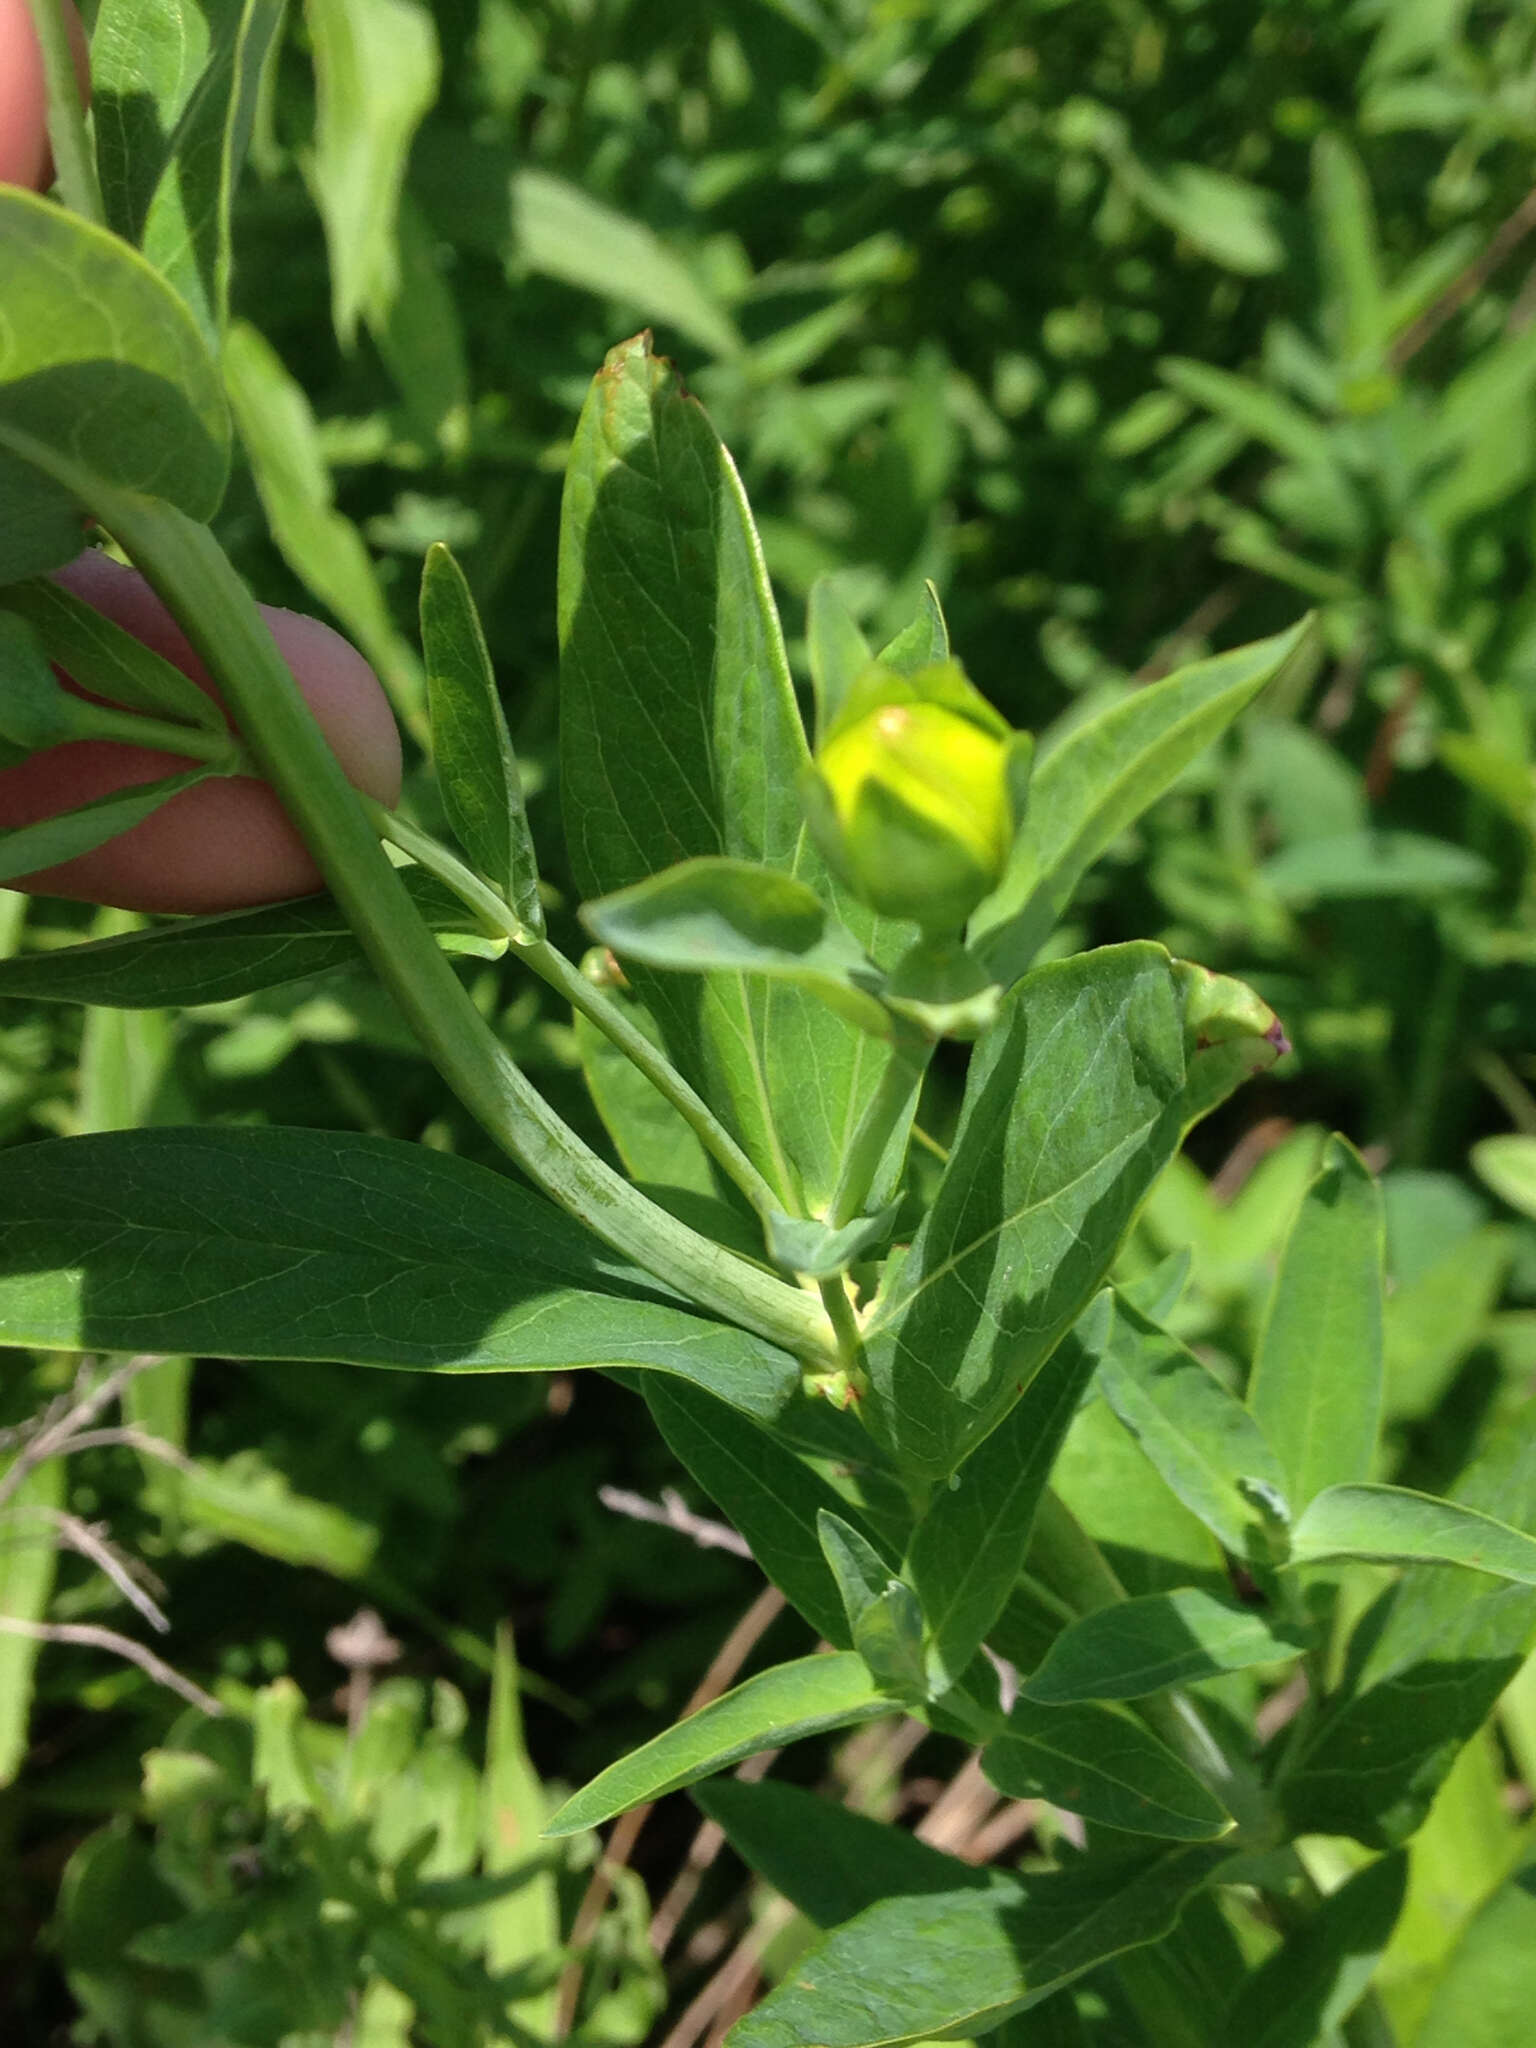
column 912, row 806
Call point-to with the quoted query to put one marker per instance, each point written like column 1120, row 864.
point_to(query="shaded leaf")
column 1373, row 863
column 320, row 1244
column 107, row 660
column 476, row 769
column 24, row 849
column 776, row 1707
column 969, row 1548
column 959, row 1962
column 1100, row 1762
column 1316, row 1978
column 213, row 959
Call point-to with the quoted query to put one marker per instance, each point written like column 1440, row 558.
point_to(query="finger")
column 226, row 844
column 24, row 157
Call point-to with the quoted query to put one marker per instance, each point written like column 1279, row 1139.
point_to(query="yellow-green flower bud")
column 911, row 805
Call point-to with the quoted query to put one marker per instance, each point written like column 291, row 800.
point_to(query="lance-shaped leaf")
column 1507, row 1164
column 680, row 739
column 1425, row 1667
column 921, row 643
column 1202, row 1440
column 728, row 915
column 28, row 1560
column 322, row 1244
column 376, row 71
column 779, row 1706
column 1140, row 1646
column 1099, row 777
column 885, row 1622
column 765, row 1489
column 835, row 648
column 233, row 953
column 1397, row 1526
column 24, row 849
column 476, row 768
column 103, row 379
column 105, row 659
column 1317, row 1375
column 173, row 93
column 1075, row 1101
column 969, row 1548
column 1317, row 1977
column 957, row 1963
column 1100, row 1762
column 828, row 1862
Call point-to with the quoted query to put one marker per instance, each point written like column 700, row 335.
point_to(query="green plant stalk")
column 222, row 750
column 186, row 567
column 74, row 160
column 887, row 1109
column 552, row 967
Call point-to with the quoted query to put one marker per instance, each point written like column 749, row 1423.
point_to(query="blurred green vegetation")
column 1138, row 329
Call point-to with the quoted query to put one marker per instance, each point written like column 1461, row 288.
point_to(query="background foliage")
column 1134, row 328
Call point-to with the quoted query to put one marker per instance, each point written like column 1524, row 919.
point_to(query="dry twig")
column 88, row 1636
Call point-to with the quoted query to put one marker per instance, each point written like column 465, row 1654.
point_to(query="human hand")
column 226, row 843
column 24, row 158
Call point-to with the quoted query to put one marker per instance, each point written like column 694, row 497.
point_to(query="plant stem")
column 192, row 743
column 186, row 568
column 552, row 967
column 888, row 1110
column 74, row 161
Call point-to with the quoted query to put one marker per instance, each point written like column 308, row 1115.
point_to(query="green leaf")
column 1100, row 1762
column 1371, row 864
column 766, row 1491
column 321, row 546
column 828, row 1862
column 1425, row 1668
column 214, row 959
column 884, row 1619
column 835, row 650
column 1484, row 1998
column 476, row 768
column 1074, row 1103
column 103, row 377
column 1100, row 775
column 28, row 1558
column 1201, row 1439
column 680, row 739
column 249, row 1502
column 35, row 709
column 921, row 644
column 1317, row 1977
column 777, row 1707
column 376, row 73
column 1507, row 1164
column 957, row 1963
column 1316, row 1389
column 173, row 101
column 105, row 659
column 1225, row 218
column 319, row 1244
column 969, row 1548
column 803, row 1245
column 1398, row 1526
column 1141, row 1646
column 565, row 233
column 729, row 916
column 25, row 849
column 1350, row 248
column 526, row 1922
column 1260, row 412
